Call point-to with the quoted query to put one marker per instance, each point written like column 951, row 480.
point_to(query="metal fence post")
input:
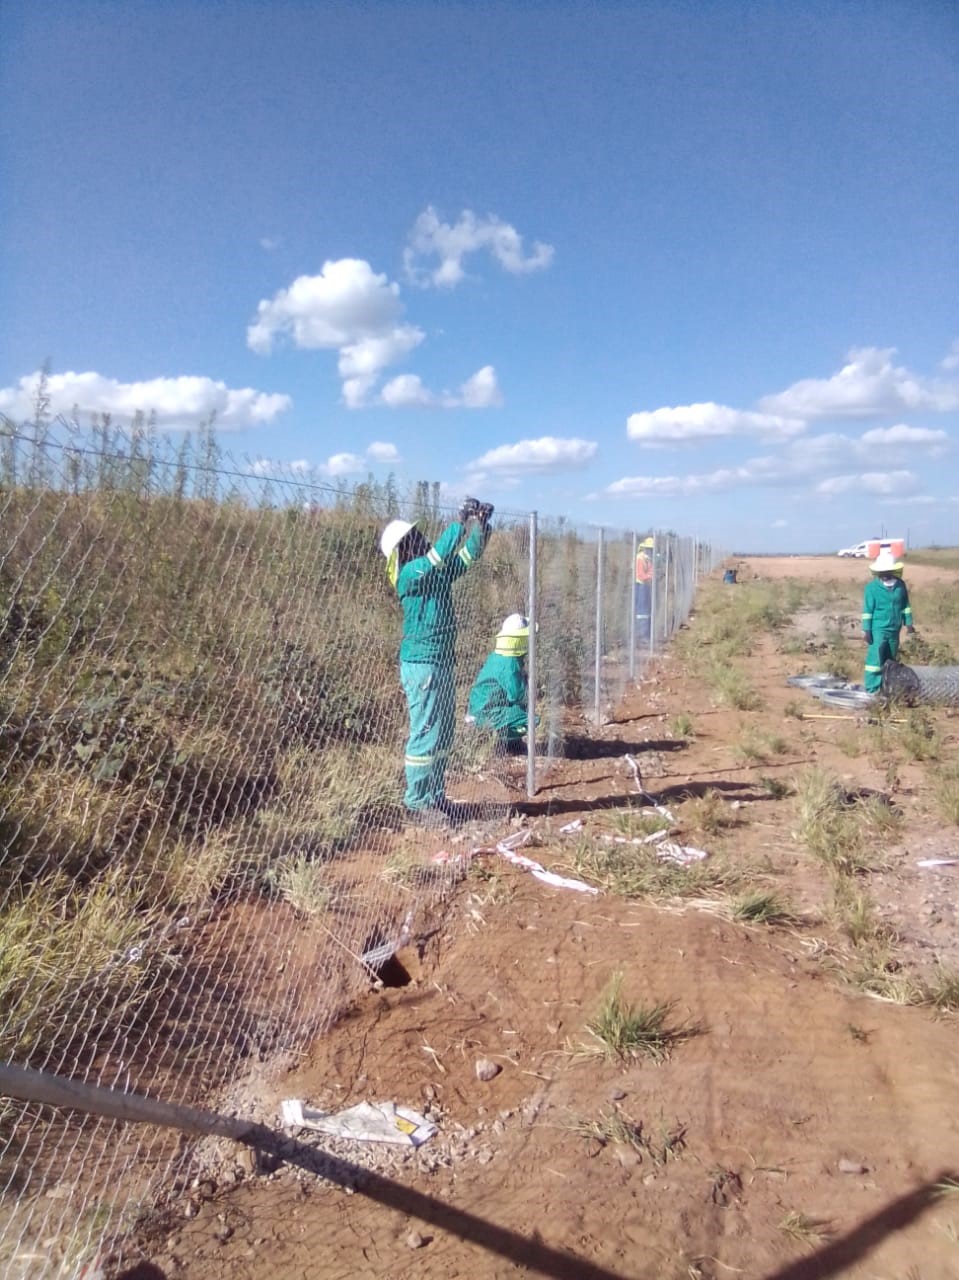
column 531, row 664
column 598, row 668
column 653, row 593
column 632, row 609
column 667, row 629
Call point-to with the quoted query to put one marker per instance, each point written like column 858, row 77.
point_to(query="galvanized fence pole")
column 631, row 598
column 667, row 630
column 598, row 664
column 653, row 594
column 531, row 673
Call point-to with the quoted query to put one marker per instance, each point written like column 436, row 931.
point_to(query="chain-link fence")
column 205, row 809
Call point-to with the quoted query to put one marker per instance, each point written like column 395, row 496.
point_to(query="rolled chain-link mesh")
column 932, row 685
column 202, row 726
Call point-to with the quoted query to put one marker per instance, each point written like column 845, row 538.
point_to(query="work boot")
column 430, row 819
column 455, row 814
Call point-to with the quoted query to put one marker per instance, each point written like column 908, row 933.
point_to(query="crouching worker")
column 885, row 610
column 423, row 576
column 498, row 699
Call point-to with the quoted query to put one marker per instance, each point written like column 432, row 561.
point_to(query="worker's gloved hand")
column 469, row 510
column 484, row 512
column 867, row 636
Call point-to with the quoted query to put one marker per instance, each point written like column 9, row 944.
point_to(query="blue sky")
column 684, row 264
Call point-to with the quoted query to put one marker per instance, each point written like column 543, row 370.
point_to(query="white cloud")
column 707, row 421
column 347, row 308
column 480, row 391
column 779, row 524
column 529, row 456
column 451, row 243
column 269, row 243
column 407, row 392
column 951, row 360
column 868, row 384
column 357, row 312
column 182, row 402
column 826, row 458
column 913, row 437
column 382, row 451
column 338, row 464
column 873, row 482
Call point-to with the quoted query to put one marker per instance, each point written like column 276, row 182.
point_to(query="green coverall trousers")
column 430, row 689
column 885, row 646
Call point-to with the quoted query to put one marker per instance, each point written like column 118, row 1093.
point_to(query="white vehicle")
column 859, row 551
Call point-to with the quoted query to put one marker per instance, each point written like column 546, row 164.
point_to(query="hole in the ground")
column 393, row 973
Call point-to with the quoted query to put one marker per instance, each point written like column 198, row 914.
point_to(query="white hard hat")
column 886, row 562
column 515, row 625
column 393, row 535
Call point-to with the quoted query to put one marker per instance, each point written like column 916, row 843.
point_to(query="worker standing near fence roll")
column 423, row 576
column 885, row 610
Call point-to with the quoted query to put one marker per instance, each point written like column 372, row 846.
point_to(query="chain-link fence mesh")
column 206, row 846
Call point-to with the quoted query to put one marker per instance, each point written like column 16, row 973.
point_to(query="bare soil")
column 801, row 1129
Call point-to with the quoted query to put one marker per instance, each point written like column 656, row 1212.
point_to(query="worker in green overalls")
column 885, row 610
column 423, row 576
column 498, row 698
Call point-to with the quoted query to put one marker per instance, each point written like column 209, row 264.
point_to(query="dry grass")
column 623, row 1032
column 845, row 832
column 71, row 956
column 635, row 871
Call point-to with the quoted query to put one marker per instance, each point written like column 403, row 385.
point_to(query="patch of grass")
column 943, row 991
column 70, row 955
column 609, row 1127
column 757, row 747
column 878, row 971
column 632, row 871
column 859, row 1034
column 759, row 907
column 804, row 1229
column 624, row 1032
column 844, row 831
column 856, row 912
column 302, row 883
column 710, row 814
column 945, row 790
column 920, row 651
column 919, row 737
column 682, row 726
column 732, row 687
column 850, row 744
column 776, row 788
column 793, row 710
column 634, row 823
column 841, row 659
column 612, row 1127
column 404, row 867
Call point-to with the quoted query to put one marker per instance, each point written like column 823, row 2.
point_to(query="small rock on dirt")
column 617, row 1095
column 852, row 1166
column 414, row 1240
column 487, row 1070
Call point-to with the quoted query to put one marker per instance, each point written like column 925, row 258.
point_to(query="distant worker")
column 498, row 698
column 885, row 610
column 643, row 590
column 423, row 576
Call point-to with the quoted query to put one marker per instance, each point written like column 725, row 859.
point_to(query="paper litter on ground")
column 937, row 862
column 507, row 849
column 366, row 1122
